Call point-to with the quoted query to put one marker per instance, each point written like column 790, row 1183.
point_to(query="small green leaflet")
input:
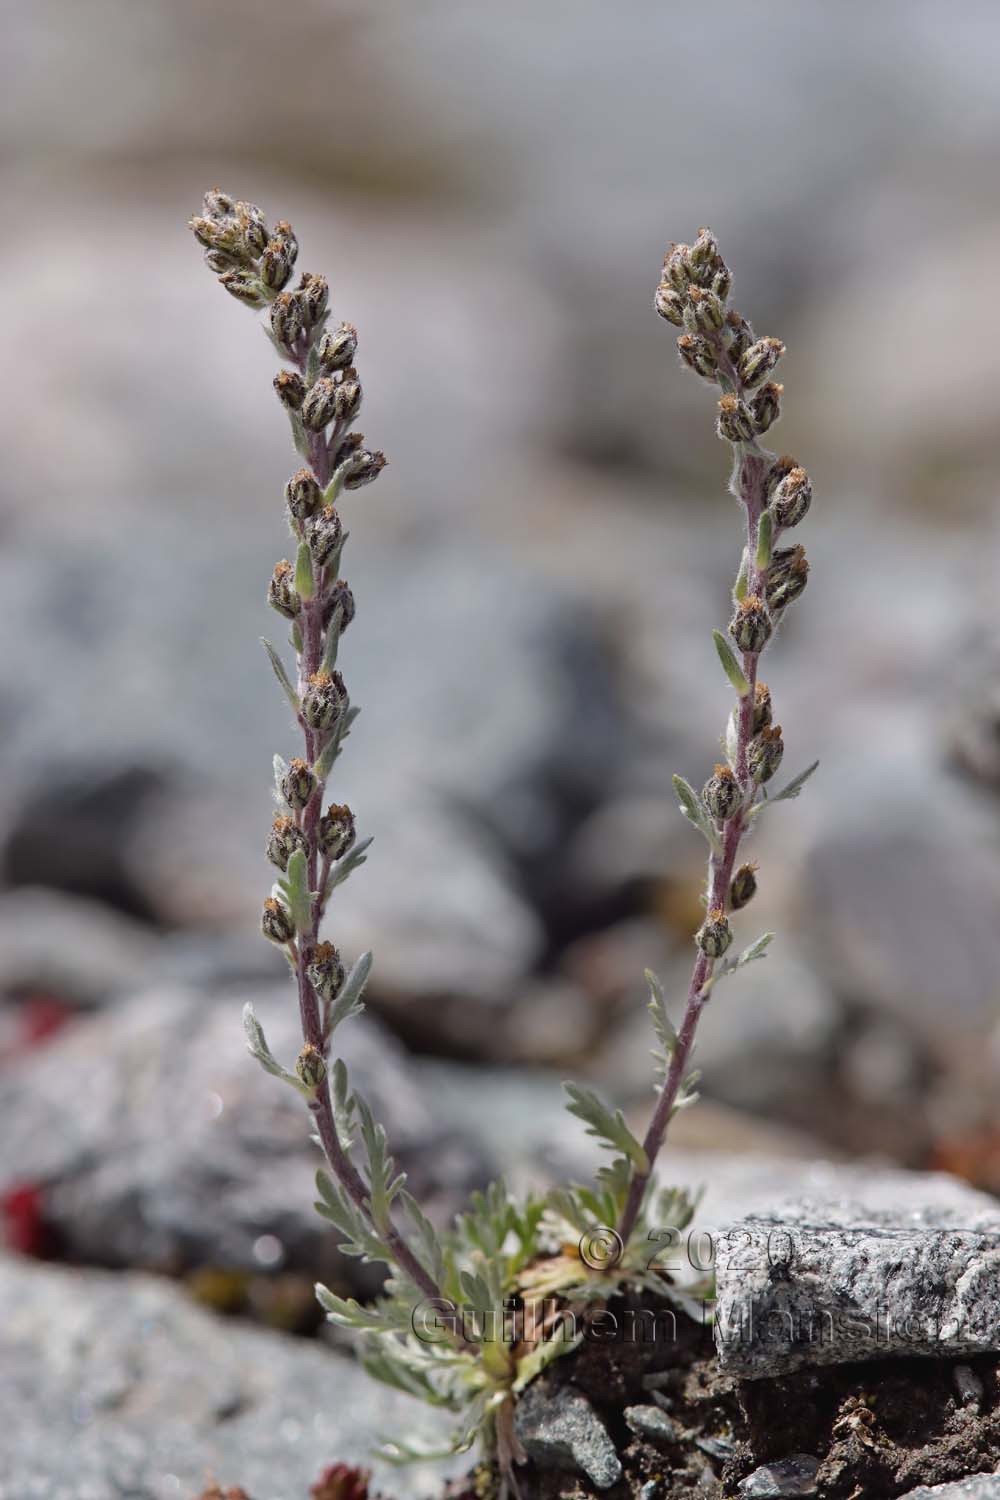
column 294, row 888
column 304, row 572
column 258, row 1048
column 794, row 787
column 347, row 866
column 730, row 665
column 757, row 949
column 763, row 557
column 607, row 1127
column 282, row 675
column 662, row 1024
column 349, row 1001
column 692, row 808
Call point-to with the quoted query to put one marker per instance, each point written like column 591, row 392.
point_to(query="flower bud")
column 325, row 535
column 218, row 205
column 276, row 923
column 326, row 972
column 336, row 831
column 698, row 354
column 214, row 234
column 281, row 592
column 275, row 265
column 314, row 293
column 734, row 422
column 750, row 626
column 722, row 282
column 302, row 494
column 349, row 444
column 677, row 268
column 715, row 934
column 324, row 700
column 759, row 360
column 243, row 286
column 792, row 496
column 776, row 473
column 743, row 887
column 284, row 232
column 764, row 753
column 347, row 400
column 337, row 348
column 669, row 304
column 361, row 467
column 297, row 784
column 721, row 794
column 765, row 406
column 320, row 406
column 286, row 318
column 704, row 253
column 738, row 335
column 787, row 576
column 290, row 389
column 252, row 227
column 709, row 314
column 310, row 1067
column 339, row 597
column 282, row 842
column 220, row 260
column 761, row 707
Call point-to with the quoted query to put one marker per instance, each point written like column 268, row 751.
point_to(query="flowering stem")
column 721, row 348
column 322, row 396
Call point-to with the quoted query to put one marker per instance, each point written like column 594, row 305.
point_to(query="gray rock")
column 787, row 1477
column 758, row 1184
column 561, row 1430
column 651, row 1423
column 177, row 1150
column 115, row 1384
column 173, row 1148
column 819, row 1283
column 79, row 951
column 933, row 884
column 476, row 747
column 978, row 1487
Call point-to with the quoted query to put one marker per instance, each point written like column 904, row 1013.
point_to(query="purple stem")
column 752, row 472
column 310, row 1012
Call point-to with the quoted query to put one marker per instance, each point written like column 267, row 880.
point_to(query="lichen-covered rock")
column 826, row 1282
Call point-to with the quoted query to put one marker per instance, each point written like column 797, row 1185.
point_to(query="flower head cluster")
column 720, row 345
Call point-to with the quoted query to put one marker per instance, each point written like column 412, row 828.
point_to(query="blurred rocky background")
column 537, row 574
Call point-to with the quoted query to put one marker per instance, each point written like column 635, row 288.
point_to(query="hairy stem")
column 750, row 474
column 310, row 1011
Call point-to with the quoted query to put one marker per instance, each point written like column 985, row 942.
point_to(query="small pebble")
column 719, row 1448
column 651, row 1490
column 784, row 1480
column 968, row 1385
column 652, row 1423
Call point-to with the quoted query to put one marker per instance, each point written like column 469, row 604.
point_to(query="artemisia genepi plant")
column 443, row 1330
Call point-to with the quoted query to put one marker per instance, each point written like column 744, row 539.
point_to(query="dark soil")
column 879, row 1428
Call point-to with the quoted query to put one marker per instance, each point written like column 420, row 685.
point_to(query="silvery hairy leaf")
column 693, row 809
column 282, row 675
